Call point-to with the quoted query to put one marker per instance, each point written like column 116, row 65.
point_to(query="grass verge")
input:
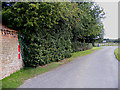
column 18, row 78
column 117, row 54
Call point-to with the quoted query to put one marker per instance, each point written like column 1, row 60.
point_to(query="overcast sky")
column 111, row 21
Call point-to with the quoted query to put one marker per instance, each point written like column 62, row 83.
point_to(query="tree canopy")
column 48, row 31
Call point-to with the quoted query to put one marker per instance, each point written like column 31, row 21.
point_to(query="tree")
column 51, row 31
column 90, row 26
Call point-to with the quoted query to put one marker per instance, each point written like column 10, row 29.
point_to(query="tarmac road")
column 97, row 70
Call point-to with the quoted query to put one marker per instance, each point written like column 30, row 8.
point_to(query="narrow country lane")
column 97, row 70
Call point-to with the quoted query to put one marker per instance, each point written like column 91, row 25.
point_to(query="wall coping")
column 6, row 28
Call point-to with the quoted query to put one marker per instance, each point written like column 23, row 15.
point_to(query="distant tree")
column 89, row 26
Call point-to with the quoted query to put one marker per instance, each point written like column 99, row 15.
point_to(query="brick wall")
column 9, row 62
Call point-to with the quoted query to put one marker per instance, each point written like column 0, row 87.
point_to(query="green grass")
column 18, row 78
column 83, row 53
column 117, row 54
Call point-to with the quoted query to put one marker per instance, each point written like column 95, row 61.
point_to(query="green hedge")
column 45, row 50
column 78, row 46
column 49, row 32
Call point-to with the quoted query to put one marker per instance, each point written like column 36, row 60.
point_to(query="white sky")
column 111, row 21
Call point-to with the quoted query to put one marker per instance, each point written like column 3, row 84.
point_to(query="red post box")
column 19, row 55
column 18, row 51
column 18, row 48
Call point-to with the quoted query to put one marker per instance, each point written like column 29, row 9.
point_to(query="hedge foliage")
column 50, row 32
column 78, row 46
